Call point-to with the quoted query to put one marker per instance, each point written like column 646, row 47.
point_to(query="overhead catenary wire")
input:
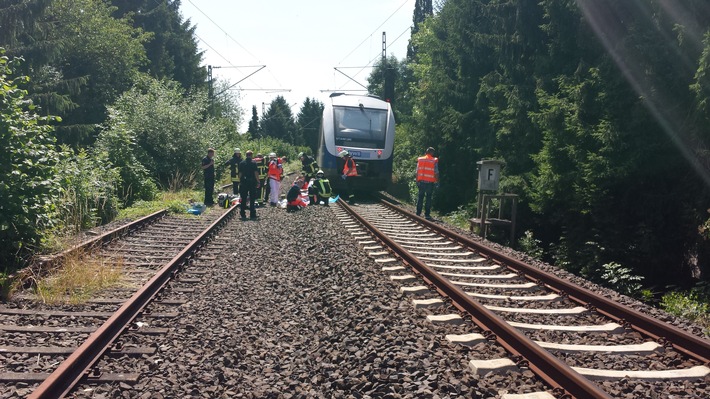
column 243, row 48
column 369, row 64
column 159, row 4
column 375, row 31
column 225, row 32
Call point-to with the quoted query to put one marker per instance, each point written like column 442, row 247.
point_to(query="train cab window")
column 360, row 127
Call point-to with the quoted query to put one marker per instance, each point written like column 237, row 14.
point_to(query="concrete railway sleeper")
column 537, row 317
column 74, row 339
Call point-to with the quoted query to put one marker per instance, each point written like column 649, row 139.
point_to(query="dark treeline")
column 599, row 109
column 102, row 104
column 81, row 55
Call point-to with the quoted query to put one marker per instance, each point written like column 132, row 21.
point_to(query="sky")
column 300, row 43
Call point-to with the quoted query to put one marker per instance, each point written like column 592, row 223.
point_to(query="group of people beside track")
column 254, row 178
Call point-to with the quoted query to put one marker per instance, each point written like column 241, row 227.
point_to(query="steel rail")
column 55, row 260
column 74, row 368
column 557, row 374
column 682, row 341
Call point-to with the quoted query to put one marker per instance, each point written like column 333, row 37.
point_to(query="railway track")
column 578, row 342
column 45, row 351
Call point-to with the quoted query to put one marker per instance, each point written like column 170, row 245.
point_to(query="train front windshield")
column 360, row 127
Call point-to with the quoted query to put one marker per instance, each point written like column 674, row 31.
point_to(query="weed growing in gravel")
column 621, row 279
column 531, row 246
column 78, row 279
column 175, row 202
column 459, row 217
column 693, row 305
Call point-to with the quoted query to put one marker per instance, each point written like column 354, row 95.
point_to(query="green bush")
column 117, row 144
column 28, row 165
column 88, row 191
column 531, row 246
column 690, row 305
column 169, row 131
column 621, row 279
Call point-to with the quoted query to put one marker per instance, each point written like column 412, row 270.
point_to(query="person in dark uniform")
column 308, row 165
column 248, row 186
column 208, row 168
column 233, row 163
column 320, row 190
column 262, row 166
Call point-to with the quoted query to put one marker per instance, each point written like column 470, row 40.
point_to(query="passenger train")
column 363, row 125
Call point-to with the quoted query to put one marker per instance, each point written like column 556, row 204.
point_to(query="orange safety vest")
column 352, row 170
column 426, row 168
column 274, row 171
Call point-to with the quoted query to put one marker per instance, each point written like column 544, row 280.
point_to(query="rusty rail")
column 684, row 342
column 53, row 261
column 558, row 375
column 74, row 368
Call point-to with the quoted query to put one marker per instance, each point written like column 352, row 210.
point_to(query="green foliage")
column 403, row 77
column 599, row 110
column 29, row 187
column 170, row 129
column 104, row 51
column 118, row 145
column 172, row 48
column 461, row 216
column 692, row 305
column 621, row 279
column 647, row 296
column 88, row 185
column 308, row 123
column 253, row 128
column 278, row 123
column 530, row 245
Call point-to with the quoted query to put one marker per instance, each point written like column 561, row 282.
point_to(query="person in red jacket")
column 427, row 179
column 275, row 172
column 295, row 202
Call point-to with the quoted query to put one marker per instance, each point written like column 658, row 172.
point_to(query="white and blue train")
column 363, row 125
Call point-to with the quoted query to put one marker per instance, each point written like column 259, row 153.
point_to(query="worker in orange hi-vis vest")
column 427, row 179
column 349, row 172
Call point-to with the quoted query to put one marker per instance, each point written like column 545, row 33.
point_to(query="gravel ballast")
column 290, row 307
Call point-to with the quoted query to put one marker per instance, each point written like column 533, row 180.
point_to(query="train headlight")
column 379, row 153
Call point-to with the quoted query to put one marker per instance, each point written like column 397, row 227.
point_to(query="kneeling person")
column 293, row 197
column 320, row 189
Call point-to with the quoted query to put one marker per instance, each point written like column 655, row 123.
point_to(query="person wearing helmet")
column 319, row 190
column 275, row 172
column 233, row 163
column 308, row 165
column 349, row 173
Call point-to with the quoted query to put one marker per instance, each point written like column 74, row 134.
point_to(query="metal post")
column 384, row 46
column 210, row 90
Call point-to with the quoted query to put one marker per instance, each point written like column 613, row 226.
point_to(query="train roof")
column 354, row 100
